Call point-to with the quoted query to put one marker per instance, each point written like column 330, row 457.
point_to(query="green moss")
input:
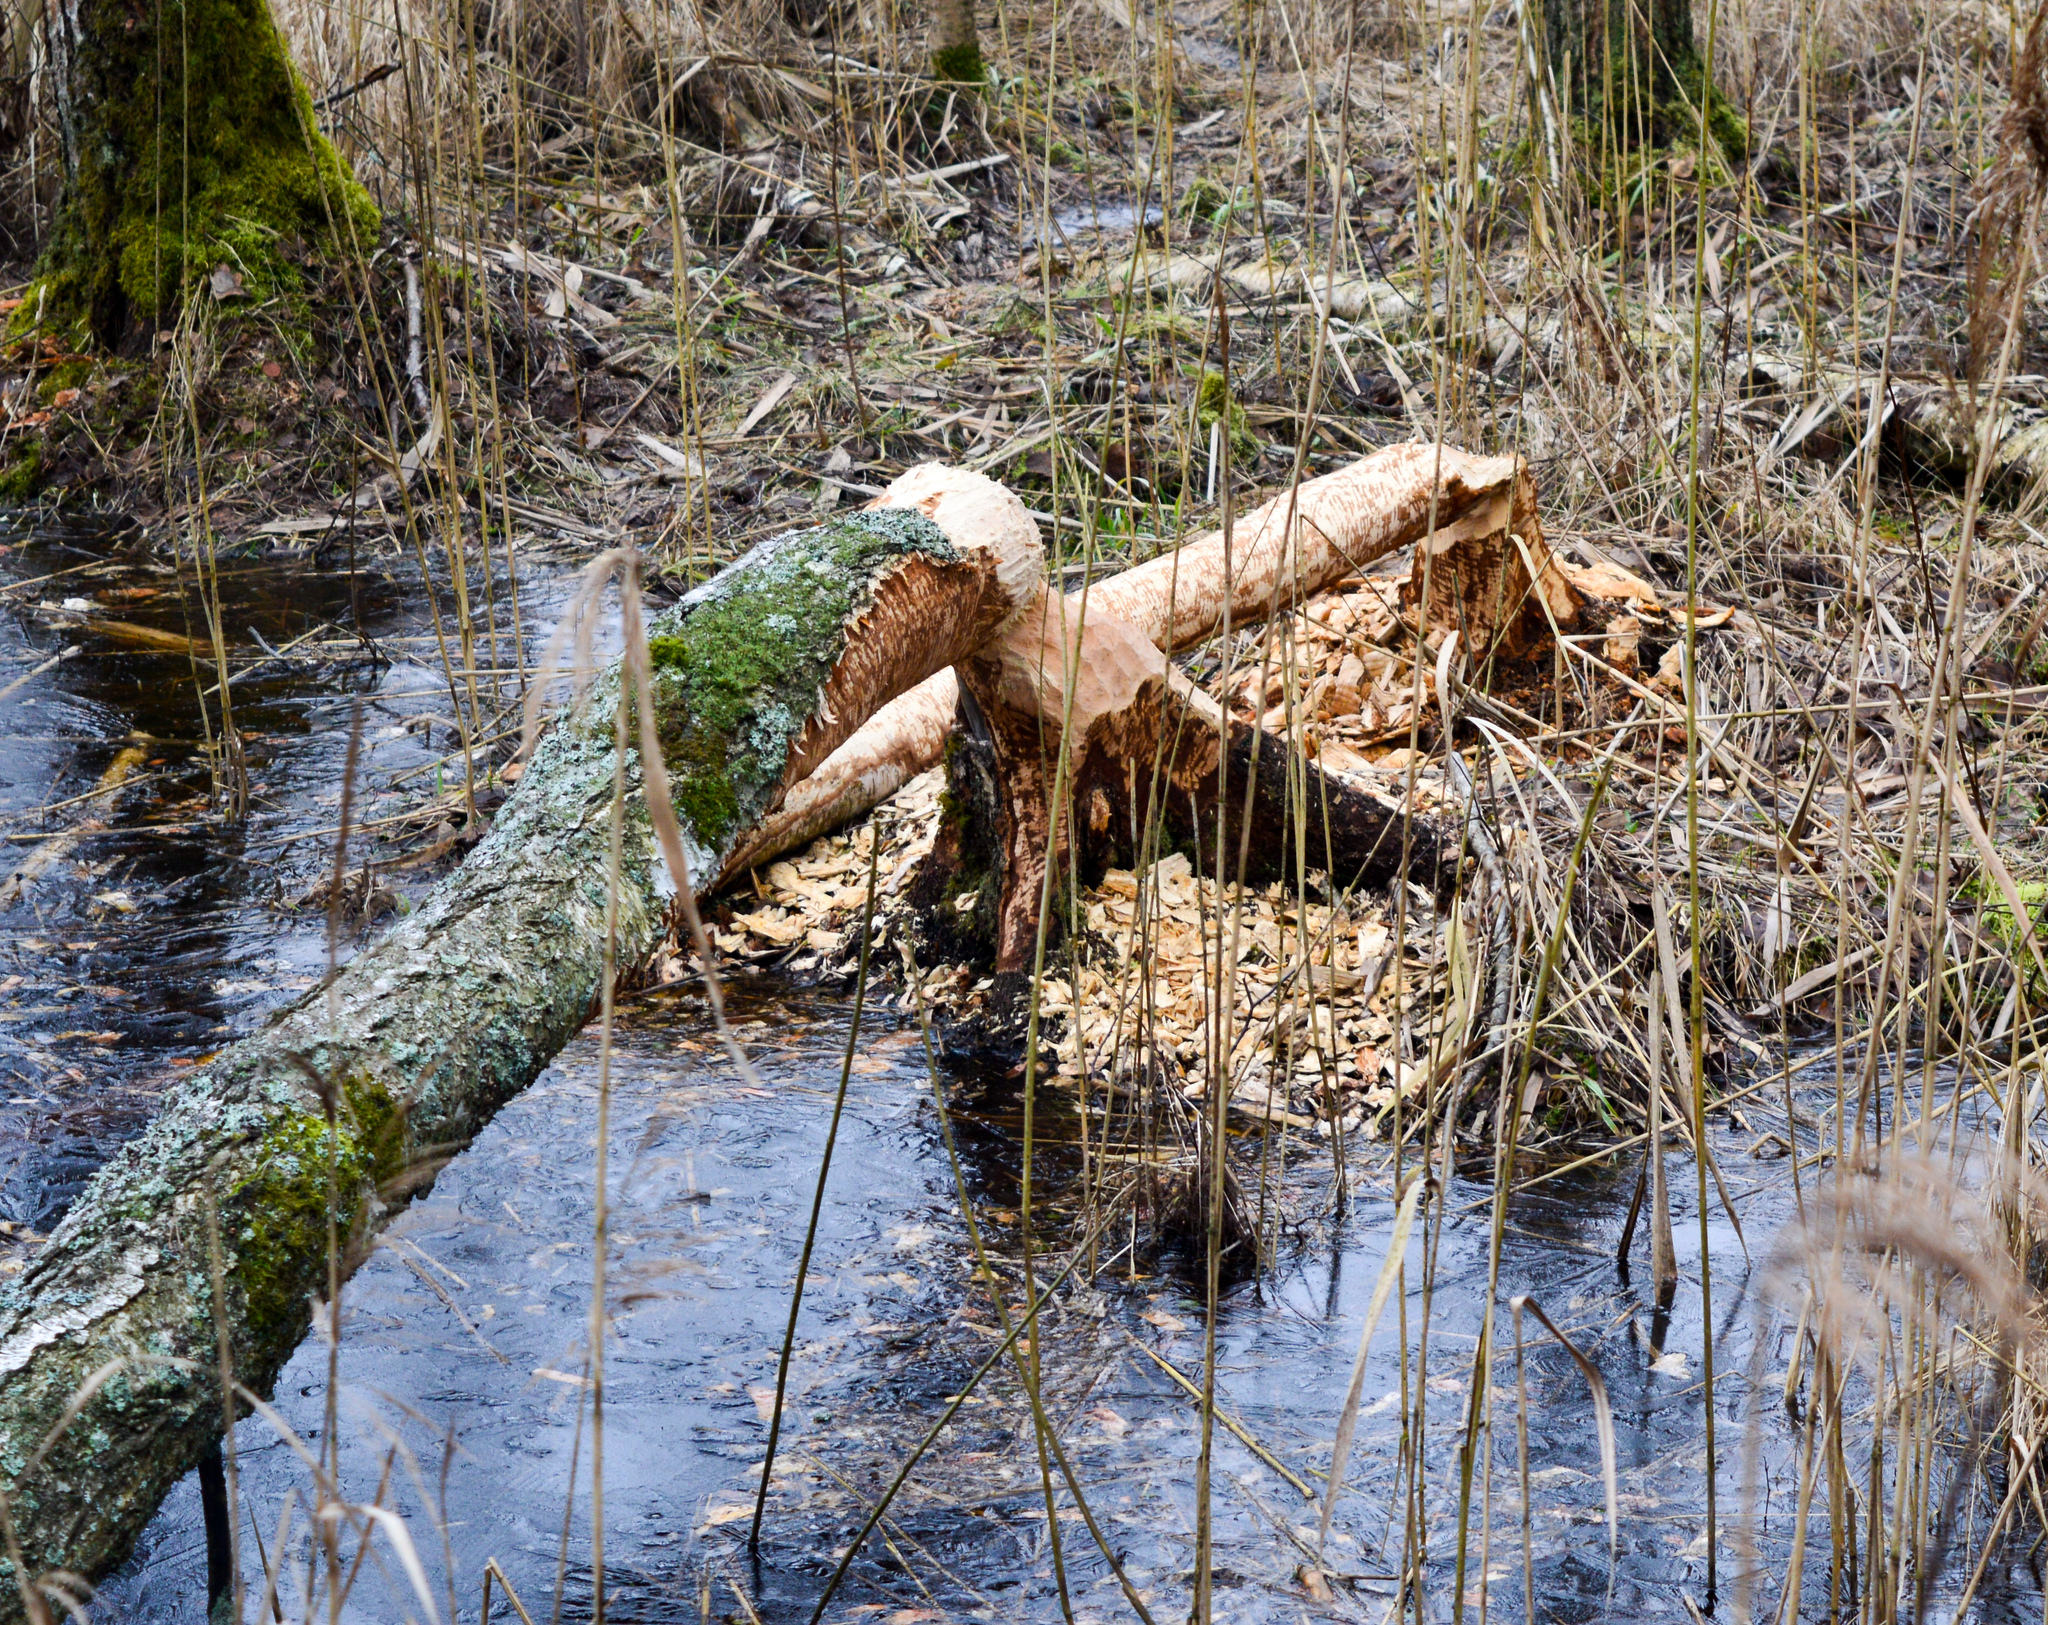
column 22, row 477
column 1635, row 155
column 1206, row 200
column 379, row 1125
column 279, row 1214
column 739, row 665
column 69, row 375
column 199, row 149
column 959, row 65
column 1214, row 403
column 1998, row 915
column 1678, row 115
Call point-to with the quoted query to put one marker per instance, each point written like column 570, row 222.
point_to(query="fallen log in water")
column 254, row 1190
column 340, row 1106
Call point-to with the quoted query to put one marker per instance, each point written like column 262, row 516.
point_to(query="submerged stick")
column 369, row 1084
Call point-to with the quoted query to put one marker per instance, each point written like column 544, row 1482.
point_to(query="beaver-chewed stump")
column 1168, row 773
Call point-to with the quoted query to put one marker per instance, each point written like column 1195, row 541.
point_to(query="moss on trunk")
column 1633, row 75
column 956, row 45
column 738, row 665
column 188, row 143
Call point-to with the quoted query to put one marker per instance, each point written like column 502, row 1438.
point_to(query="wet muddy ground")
column 462, row 1367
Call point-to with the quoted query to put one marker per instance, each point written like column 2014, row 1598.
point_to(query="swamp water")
column 461, row 1368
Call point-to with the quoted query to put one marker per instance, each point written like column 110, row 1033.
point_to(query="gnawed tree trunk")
column 1089, row 673
column 1474, row 579
column 366, row 1085
column 188, row 143
column 1163, row 771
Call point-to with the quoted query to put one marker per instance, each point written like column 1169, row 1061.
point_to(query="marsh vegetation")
column 1101, row 810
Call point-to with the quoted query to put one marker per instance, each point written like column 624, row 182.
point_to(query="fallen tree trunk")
column 1465, row 507
column 317, row 1125
column 208, row 1235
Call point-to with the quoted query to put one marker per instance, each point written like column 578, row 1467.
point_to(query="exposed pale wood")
column 1282, row 551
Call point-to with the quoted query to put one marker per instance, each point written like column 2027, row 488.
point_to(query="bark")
column 188, row 142
column 1477, row 582
column 344, row 1105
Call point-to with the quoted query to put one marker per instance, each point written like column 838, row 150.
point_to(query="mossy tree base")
column 956, row 45
column 1632, row 79
column 188, row 143
column 959, row 65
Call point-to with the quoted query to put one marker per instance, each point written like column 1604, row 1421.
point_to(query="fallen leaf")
column 1112, row 1424
column 1164, row 1321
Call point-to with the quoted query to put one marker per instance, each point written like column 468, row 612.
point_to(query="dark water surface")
column 462, row 1368
column 165, row 930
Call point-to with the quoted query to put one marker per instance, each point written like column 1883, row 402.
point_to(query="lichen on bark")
column 427, row 1032
column 188, row 142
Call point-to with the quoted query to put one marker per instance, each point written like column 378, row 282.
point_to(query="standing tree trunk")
column 1631, row 68
column 322, row 1122
column 188, row 143
column 956, row 45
